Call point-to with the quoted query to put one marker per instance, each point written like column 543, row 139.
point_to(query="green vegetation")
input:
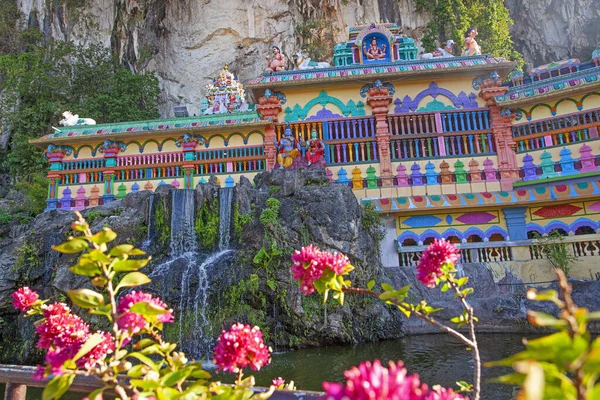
column 162, row 223
column 450, row 19
column 317, row 37
column 207, row 223
column 240, row 221
column 27, row 259
column 269, row 217
column 372, row 225
column 554, row 248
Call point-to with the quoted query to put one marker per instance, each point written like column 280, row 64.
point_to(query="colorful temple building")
column 465, row 148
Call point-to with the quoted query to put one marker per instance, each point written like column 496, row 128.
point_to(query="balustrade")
column 352, row 152
column 149, row 159
column 578, row 246
column 413, row 123
column 82, row 177
column 461, row 121
column 557, row 138
column 556, row 123
column 84, row 164
column 469, row 253
column 441, row 145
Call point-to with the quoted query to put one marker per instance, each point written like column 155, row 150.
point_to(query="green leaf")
column 103, row 310
column 386, row 287
column 89, row 344
column 445, row 287
column 133, row 279
column 462, row 281
column 86, row 298
column 96, row 394
column 104, row 236
column 200, row 374
column 130, row 265
column 73, row 246
column 405, row 311
column 371, row 284
column 98, row 256
column 86, row 267
column 120, row 250
column 57, row 387
column 136, row 371
column 543, row 319
column 147, row 309
column 271, row 284
column 144, row 360
column 146, row 385
column 143, row 343
column 467, row 291
column 172, row 378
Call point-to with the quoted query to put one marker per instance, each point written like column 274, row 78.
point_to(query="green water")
column 436, row 358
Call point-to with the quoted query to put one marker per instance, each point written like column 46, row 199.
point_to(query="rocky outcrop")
column 551, row 30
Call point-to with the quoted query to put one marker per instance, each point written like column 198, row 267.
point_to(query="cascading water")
column 151, row 229
column 194, row 327
column 225, row 199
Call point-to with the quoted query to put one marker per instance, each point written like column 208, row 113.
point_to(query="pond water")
column 438, row 359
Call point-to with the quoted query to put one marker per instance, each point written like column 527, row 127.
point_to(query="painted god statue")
column 277, row 62
column 71, row 119
column 315, row 150
column 374, row 51
column 288, row 148
column 471, row 46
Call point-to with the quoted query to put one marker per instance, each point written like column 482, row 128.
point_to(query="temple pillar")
column 110, row 151
column 55, row 155
column 270, row 106
column 500, row 124
column 188, row 143
column 379, row 100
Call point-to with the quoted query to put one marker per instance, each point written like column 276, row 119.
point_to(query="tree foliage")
column 452, row 18
column 41, row 78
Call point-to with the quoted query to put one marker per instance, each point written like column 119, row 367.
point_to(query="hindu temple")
column 466, row 148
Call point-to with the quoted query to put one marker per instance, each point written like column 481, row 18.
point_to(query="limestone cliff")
column 187, row 42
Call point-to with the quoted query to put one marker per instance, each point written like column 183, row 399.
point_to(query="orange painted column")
column 502, row 133
column 270, row 107
column 379, row 100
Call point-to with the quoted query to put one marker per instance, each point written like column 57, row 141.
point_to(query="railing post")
column 15, row 391
column 379, row 99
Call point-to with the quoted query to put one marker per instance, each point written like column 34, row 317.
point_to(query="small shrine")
column 373, row 44
column 225, row 95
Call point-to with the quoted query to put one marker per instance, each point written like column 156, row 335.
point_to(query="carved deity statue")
column 315, row 150
column 374, row 52
column 277, row 62
column 471, row 46
column 303, row 62
column 288, row 148
column 440, row 52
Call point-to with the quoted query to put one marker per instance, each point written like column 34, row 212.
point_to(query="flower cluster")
column 24, row 298
column 62, row 334
column 133, row 322
column 279, row 382
column 372, row 381
column 438, row 253
column 240, row 347
column 309, row 264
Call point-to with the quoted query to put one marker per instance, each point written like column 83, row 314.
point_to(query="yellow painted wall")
column 563, row 107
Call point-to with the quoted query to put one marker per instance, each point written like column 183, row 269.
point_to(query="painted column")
column 516, row 223
column 502, row 134
column 110, row 151
column 188, row 143
column 270, row 106
column 55, row 155
column 379, row 99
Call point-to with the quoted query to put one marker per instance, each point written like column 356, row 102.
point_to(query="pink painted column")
column 439, row 129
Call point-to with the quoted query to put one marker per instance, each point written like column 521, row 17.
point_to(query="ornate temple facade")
column 464, row 148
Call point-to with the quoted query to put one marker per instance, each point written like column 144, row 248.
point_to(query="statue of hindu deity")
column 225, row 94
column 374, row 52
column 471, row 46
column 288, row 148
column 315, row 150
column 71, row 119
column 440, row 52
column 277, row 62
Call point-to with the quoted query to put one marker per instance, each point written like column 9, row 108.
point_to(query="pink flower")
column 134, row 322
column 98, row 352
column 278, row 382
column 240, row 347
column 372, row 381
column 24, row 298
column 438, row 253
column 309, row 263
column 440, row 393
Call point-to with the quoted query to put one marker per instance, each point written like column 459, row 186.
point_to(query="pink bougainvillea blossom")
column 24, row 298
column 372, row 381
column 309, row 263
column 438, row 253
column 239, row 347
column 134, row 322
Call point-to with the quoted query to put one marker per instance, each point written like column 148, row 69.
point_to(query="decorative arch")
column 300, row 113
column 162, row 144
column 429, row 234
column 210, row 139
column 462, row 100
column 77, row 150
column 158, row 146
column 556, row 225
column 136, row 143
column 250, row 134
column 244, row 138
column 406, row 236
column 579, row 222
column 496, row 230
column 578, row 103
column 531, row 227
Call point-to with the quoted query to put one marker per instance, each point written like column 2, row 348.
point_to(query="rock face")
column 550, row 30
column 188, row 42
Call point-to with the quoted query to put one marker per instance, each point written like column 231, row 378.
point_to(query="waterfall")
column 183, row 234
column 150, row 232
column 184, row 256
column 225, row 199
